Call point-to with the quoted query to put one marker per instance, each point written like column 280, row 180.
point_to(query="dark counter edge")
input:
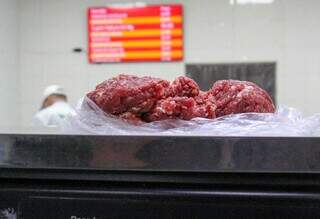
column 288, row 190
column 298, row 178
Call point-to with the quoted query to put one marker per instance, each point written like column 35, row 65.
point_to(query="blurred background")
column 275, row 43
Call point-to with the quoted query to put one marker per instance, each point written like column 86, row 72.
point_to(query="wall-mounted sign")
column 131, row 34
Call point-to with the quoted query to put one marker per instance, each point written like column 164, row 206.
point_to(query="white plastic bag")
column 90, row 119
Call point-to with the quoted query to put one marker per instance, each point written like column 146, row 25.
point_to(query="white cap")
column 53, row 89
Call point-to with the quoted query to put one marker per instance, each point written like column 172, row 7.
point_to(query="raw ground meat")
column 184, row 108
column 169, row 108
column 146, row 99
column 127, row 93
column 234, row 96
column 183, row 87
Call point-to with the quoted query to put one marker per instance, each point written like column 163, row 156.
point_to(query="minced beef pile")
column 148, row 99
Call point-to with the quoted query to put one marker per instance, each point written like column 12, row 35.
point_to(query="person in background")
column 54, row 107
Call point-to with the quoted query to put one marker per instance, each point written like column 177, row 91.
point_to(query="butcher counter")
column 95, row 177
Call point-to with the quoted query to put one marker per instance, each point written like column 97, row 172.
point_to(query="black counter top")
column 159, row 177
column 159, row 153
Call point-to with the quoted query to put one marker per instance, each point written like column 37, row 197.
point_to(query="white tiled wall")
column 52, row 29
column 301, row 63
column 9, row 95
column 286, row 31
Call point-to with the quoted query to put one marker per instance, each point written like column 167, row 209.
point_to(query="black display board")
column 261, row 73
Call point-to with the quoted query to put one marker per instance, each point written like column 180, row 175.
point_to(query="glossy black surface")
column 38, row 199
column 156, row 153
column 97, row 177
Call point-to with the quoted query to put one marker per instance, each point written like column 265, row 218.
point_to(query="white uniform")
column 53, row 115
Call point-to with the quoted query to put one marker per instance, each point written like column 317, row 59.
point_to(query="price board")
column 135, row 34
